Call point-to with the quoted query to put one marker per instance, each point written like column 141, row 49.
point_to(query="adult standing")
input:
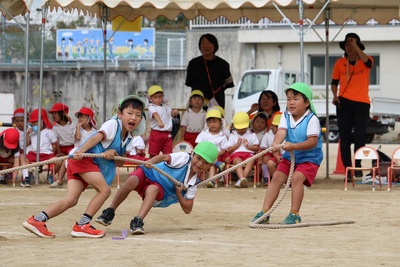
column 350, row 88
column 208, row 72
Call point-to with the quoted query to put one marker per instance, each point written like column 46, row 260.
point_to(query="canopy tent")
column 359, row 10
column 12, row 8
column 339, row 11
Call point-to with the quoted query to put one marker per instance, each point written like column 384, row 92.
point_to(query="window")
column 253, row 83
column 317, row 69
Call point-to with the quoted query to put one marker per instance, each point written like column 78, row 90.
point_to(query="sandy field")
column 216, row 233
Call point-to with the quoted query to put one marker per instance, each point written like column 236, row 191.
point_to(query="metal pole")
column 327, row 17
column 26, row 84
column 43, row 30
column 104, row 20
column 301, row 40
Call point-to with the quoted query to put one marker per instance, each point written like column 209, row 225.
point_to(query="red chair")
column 365, row 154
column 394, row 166
column 256, row 179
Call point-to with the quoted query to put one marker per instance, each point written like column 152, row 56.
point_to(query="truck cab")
column 253, row 82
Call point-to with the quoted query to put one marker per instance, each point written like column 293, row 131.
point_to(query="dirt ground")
column 216, row 233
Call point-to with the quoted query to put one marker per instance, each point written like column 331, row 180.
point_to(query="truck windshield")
column 253, row 83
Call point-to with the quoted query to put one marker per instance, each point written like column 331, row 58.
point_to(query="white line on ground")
column 186, row 241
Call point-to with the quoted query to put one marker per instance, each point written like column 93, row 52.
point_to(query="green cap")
column 305, row 90
column 207, row 150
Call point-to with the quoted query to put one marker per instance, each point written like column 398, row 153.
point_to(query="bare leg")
column 130, row 184
column 239, row 171
column 273, row 190
column 297, row 190
column 74, row 190
column 148, row 201
column 97, row 181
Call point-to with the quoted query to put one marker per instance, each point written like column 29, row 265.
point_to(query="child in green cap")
column 158, row 191
column 299, row 127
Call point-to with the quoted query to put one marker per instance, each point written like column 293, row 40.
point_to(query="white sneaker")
column 241, row 183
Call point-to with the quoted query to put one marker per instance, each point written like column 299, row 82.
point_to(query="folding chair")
column 182, row 146
column 256, row 174
column 364, row 153
column 394, row 166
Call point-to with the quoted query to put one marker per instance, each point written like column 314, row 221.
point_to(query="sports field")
column 216, row 233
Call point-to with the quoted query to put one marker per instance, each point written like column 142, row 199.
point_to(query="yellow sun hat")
column 241, row 120
column 154, row 89
column 213, row 113
column 277, row 118
column 197, row 92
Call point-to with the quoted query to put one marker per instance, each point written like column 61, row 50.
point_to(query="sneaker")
column 50, row 179
column 219, row 165
column 106, row 217
column 292, row 219
column 37, row 228
column 210, row 184
column 137, row 226
column 3, row 179
column 27, row 182
column 241, row 183
column 86, row 230
column 265, row 181
column 263, row 221
column 56, row 184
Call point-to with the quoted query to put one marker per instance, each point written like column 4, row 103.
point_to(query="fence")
column 170, row 50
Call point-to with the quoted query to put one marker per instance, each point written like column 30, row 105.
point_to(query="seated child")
column 135, row 149
column 48, row 139
column 271, row 159
column 18, row 121
column 86, row 125
column 259, row 124
column 242, row 144
column 214, row 135
column 9, row 151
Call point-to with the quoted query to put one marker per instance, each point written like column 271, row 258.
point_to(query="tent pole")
column 301, row 40
column 104, row 19
column 26, row 84
column 327, row 18
column 44, row 11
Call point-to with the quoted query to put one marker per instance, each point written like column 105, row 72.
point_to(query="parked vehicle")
column 383, row 113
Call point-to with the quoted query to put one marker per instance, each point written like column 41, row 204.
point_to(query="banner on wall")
column 87, row 44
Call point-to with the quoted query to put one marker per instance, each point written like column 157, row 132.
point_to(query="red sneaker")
column 38, row 228
column 86, row 230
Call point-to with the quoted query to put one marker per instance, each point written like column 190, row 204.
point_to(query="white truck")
column 383, row 113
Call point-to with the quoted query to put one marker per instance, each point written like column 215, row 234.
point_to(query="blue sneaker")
column 292, row 219
column 263, row 221
column 219, row 165
column 50, row 179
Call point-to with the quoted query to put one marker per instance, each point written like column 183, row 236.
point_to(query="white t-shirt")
column 47, row 138
column 164, row 112
column 178, row 160
column 249, row 136
column 193, row 121
column 84, row 135
column 136, row 143
column 219, row 140
column 313, row 127
column 65, row 134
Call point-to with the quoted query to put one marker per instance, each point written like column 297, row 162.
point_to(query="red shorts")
column 225, row 156
column 240, row 155
column 160, row 141
column 31, row 156
column 308, row 169
column 66, row 149
column 191, row 138
column 7, row 160
column 271, row 157
column 144, row 183
column 75, row 167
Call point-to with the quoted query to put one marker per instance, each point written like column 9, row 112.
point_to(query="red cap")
column 59, row 107
column 19, row 112
column 88, row 112
column 35, row 116
column 10, row 138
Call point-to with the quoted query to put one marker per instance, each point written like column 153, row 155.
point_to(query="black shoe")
column 358, row 174
column 106, row 217
column 137, row 226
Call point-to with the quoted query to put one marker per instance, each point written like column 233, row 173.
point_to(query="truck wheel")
column 333, row 131
column 369, row 138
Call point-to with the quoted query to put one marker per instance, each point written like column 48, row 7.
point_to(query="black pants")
column 352, row 115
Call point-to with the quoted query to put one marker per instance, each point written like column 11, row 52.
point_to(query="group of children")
column 298, row 129
column 56, row 139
